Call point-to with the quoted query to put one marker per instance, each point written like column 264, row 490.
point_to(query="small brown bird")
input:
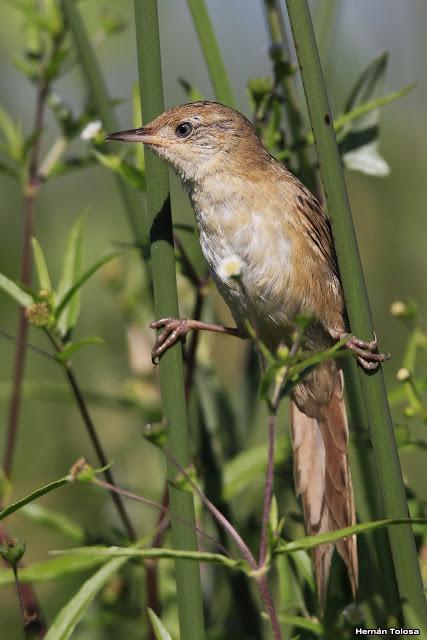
column 249, row 208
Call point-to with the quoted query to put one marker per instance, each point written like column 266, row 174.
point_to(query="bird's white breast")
column 227, row 228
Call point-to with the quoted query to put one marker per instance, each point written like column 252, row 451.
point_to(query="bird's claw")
column 365, row 352
column 174, row 329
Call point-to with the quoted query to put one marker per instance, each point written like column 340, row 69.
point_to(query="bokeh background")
column 389, row 213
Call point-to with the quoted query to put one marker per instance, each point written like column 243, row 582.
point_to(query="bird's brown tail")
column 322, row 479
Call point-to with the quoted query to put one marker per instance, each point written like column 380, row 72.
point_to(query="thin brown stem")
column 270, row 609
column 20, row 600
column 30, row 195
column 96, row 442
column 268, row 491
column 216, row 513
column 189, row 270
column 157, row 505
column 190, row 359
column 27, row 599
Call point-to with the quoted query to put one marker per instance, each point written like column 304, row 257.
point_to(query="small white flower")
column 398, row 309
column 403, row 374
column 91, row 130
column 230, row 267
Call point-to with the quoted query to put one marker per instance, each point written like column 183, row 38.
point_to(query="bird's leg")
column 175, row 329
column 365, row 351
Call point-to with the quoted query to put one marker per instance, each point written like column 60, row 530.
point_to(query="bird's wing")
column 316, row 225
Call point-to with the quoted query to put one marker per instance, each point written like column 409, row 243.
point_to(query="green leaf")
column 155, row 554
column 13, row 135
column 310, row 542
column 48, row 570
column 313, row 360
column 54, row 520
column 368, row 81
column 72, row 347
column 192, row 93
column 15, row 506
column 133, row 175
column 367, row 107
column 41, row 267
column 72, row 291
column 160, row 630
column 15, row 291
column 302, row 623
column 8, row 168
column 249, row 466
column 71, row 614
column 71, row 271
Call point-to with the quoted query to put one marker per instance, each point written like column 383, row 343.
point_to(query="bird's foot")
column 365, row 352
column 174, row 329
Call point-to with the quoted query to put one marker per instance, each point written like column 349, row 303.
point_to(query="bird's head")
column 198, row 138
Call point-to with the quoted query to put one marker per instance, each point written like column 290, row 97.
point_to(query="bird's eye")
column 184, row 129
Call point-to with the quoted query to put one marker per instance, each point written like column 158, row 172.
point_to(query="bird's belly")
column 262, row 292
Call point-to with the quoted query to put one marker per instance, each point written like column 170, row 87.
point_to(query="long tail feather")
column 322, row 479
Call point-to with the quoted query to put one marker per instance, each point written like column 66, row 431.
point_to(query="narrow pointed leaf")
column 368, row 81
column 72, row 347
column 54, row 520
column 366, row 107
column 48, row 570
column 41, row 266
column 15, row 292
column 310, row 542
column 159, row 628
column 71, row 614
column 15, row 506
column 133, row 175
column 63, row 302
column 302, row 623
column 71, row 270
column 155, row 554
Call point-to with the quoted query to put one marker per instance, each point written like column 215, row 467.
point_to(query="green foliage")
column 159, row 628
column 54, row 569
column 15, row 506
column 229, row 464
column 71, row 614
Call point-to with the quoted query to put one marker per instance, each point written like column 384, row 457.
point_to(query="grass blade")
column 41, row 266
column 73, row 290
column 71, row 614
column 211, row 51
column 15, row 292
column 15, row 506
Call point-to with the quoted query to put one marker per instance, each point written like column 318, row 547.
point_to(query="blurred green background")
column 389, row 214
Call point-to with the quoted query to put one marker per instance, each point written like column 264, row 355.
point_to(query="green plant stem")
column 217, row 72
column 296, row 125
column 369, row 508
column 166, row 304
column 98, row 90
column 377, row 410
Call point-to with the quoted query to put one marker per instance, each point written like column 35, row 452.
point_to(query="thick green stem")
column 102, row 102
column 166, row 304
column 211, row 52
column 377, row 410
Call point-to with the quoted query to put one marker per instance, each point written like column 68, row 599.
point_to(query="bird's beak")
column 144, row 134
